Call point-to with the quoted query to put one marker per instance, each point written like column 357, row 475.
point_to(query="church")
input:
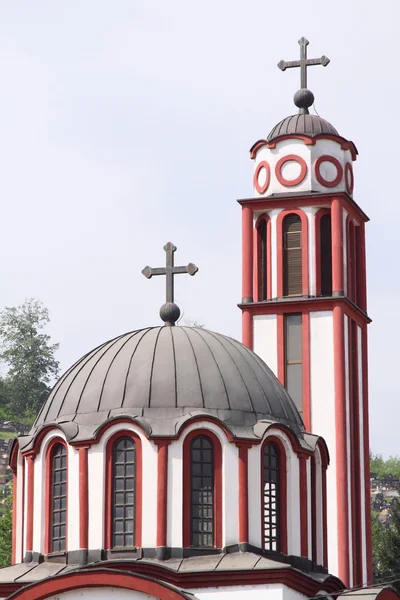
column 177, row 463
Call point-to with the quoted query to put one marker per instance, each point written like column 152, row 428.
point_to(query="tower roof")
column 302, row 124
column 163, row 374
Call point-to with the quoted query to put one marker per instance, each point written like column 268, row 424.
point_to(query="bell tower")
column 304, row 306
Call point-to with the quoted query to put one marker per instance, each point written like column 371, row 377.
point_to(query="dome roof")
column 162, row 374
column 305, row 124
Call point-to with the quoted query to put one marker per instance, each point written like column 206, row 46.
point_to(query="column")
column 83, row 503
column 247, row 255
column 341, row 449
column 337, row 248
column 30, row 461
column 243, row 497
column 162, row 498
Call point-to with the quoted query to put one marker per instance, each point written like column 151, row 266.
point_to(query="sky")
column 125, row 124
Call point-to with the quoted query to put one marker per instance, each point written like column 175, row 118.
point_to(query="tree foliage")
column 386, row 548
column 385, row 468
column 6, row 530
column 30, row 358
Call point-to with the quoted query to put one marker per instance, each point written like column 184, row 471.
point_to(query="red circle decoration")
column 261, row 189
column 291, row 182
column 349, row 177
column 322, row 180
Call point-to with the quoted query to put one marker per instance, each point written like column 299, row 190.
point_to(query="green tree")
column 6, row 531
column 30, row 358
column 386, row 548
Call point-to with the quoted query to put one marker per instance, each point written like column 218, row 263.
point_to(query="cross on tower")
column 304, row 62
column 169, row 312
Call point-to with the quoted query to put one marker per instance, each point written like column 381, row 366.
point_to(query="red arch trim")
column 48, row 493
column 348, row 172
column 109, row 486
column 304, row 246
column 217, row 486
column 256, row 266
column 308, row 141
column 291, row 182
column 283, row 508
column 98, row 578
column 334, row 161
column 261, row 189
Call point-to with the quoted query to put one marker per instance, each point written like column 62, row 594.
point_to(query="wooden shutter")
column 326, row 255
column 292, row 255
column 262, row 260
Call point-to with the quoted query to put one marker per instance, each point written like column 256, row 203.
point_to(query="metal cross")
column 169, row 270
column 304, row 62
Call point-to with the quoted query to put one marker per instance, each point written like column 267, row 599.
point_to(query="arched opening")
column 123, row 493
column 325, row 233
column 273, row 499
column 292, row 256
column 58, row 500
column 123, row 501
column 262, row 259
column 202, row 492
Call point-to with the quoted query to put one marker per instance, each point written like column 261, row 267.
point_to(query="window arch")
column 202, row 501
column 274, row 496
column 57, row 497
column 123, row 525
column 292, row 255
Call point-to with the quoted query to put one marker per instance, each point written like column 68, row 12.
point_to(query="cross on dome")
column 303, row 98
column 169, row 312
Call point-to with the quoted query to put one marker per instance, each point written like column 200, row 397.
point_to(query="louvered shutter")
column 326, row 255
column 292, row 255
column 262, row 260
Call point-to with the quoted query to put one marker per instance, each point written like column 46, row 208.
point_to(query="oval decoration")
column 291, row 158
column 349, row 178
column 317, row 170
column 263, row 165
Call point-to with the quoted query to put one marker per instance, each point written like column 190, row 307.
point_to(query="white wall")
column 254, row 482
column 310, row 212
column 272, row 591
column 348, row 444
column 273, row 215
column 19, row 534
column 265, row 340
column 323, row 412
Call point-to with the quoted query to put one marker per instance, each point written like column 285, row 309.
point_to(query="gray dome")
column 164, row 373
column 302, row 124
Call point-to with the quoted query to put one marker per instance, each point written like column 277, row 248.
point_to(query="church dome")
column 160, row 375
column 302, row 124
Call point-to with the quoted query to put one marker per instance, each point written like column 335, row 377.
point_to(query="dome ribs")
column 239, row 349
column 143, row 331
column 213, row 392
column 110, row 345
column 129, row 337
column 55, row 404
column 185, row 331
column 167, row 373
column 219, row 341
column 310, row 125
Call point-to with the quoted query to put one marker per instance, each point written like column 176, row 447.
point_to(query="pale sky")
column 125, row 124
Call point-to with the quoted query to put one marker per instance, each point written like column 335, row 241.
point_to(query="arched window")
column 123, row 493
column 262, row 259
column 58, row 503
column 271, row 498
column 202, row 492
column 292, row 256
column 326, row 255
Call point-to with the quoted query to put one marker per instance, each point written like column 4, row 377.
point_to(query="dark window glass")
column 202, row 492
column 124, row 480
column 293, row 359
column 262, row 260
column 271, row 501
column 292, row 256
column 326, row 255
column 58, row 499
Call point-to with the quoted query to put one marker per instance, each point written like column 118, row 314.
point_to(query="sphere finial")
column 303, row 99
column 170, row 313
